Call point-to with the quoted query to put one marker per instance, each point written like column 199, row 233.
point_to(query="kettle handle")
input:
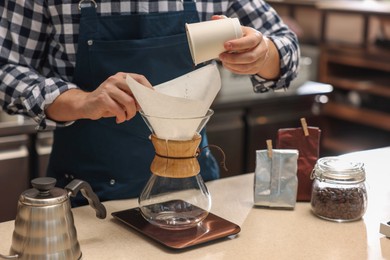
column 78, row 185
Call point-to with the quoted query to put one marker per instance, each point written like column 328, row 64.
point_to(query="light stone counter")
column 265, row 233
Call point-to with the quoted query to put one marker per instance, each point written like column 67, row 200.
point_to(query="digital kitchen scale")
column 210, row 229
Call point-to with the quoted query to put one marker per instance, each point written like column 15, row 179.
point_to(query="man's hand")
column 112, row 98
column 251, row 54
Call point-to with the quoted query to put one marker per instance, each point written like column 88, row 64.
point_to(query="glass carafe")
column 175, row 196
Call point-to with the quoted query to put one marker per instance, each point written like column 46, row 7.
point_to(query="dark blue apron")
column 115, row 158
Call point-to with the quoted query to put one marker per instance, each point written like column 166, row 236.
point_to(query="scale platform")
column 210, row 229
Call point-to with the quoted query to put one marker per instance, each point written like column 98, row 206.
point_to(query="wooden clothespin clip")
column 304, row 126
column 269, row 148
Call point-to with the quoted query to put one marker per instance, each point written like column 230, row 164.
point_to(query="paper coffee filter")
column 174, row 108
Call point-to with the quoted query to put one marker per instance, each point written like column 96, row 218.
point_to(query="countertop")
column 265, row 233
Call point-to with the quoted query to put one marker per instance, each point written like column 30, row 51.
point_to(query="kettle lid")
column 44, row 193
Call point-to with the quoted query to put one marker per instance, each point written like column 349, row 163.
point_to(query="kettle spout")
column 78, row 185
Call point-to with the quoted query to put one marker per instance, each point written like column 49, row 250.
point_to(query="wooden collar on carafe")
column 175, row 158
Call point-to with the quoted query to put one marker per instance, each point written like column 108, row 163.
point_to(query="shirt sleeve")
column 261, row 16
column 24, row 38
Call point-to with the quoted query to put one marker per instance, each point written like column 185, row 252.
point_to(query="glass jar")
column 339, row 191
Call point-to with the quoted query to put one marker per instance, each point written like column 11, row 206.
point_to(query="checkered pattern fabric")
column 38, row 44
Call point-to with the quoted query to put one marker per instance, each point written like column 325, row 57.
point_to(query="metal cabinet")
column 14, row 173
column 226, row 130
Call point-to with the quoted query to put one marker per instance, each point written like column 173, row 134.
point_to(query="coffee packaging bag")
column 276, row 183
column 306, row 140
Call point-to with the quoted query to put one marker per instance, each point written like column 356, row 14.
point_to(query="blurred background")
column 343, row 88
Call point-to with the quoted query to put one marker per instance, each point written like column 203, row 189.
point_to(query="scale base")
column 210, row 229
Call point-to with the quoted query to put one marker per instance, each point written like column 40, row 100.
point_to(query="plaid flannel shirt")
column 38, row 44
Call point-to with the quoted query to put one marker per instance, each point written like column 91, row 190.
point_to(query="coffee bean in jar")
column 339, row 192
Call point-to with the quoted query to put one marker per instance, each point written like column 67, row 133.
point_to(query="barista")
column 64, row 65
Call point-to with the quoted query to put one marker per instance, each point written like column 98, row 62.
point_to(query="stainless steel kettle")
column 44, row 226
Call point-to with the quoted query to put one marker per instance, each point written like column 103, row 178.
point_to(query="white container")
column 206, row 39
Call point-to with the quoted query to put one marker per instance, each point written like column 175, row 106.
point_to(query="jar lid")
column 336, row 169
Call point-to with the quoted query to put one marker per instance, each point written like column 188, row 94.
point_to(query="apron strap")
column 189, row 5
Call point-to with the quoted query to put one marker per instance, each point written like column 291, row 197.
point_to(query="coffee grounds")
column 339, row 203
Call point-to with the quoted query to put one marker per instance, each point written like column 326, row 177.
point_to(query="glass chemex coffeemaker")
column 175, row 196
column 174, row 206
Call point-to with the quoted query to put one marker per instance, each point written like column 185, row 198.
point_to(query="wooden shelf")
column 364, row 70
column 347, row 137
column 372, row 57
column 371, row 85
column 357, row 115
column 363, row 116
column 358, row 7
column 344, row 145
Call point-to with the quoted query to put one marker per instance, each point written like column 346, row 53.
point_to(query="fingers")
column 251, row 38
column 247, row 54
column 217, row 17
column 126, row 107
column 121, row 84
column 113, row 98
column 119, row 80
column 110, row 101
column 140, row 79
column 114, row 109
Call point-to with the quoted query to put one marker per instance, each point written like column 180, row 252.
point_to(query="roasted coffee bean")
column 344, row 204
